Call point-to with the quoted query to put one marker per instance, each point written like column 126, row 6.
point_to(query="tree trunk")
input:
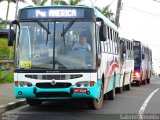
column 7, row 13
column 52, row 1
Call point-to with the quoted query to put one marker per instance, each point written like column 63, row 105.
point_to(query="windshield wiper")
column 46, row 29
column 66, row 29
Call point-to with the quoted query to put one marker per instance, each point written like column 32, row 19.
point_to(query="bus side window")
column 100, row 44
column 109, row 48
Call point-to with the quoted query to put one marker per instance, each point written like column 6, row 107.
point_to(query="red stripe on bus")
column 112, row 68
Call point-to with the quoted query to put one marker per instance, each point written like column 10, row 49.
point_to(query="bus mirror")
column 143, row 56
column 11, row 36
column 11, row 33
column 102, row 33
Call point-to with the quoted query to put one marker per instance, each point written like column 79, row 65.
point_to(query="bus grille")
column 55, row 77
column 57, row 85
column 53, row 94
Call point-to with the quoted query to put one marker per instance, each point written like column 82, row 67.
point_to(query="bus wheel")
column 119, row 90
column 111, row 93
column 96, row 103
column 138, row 83
column 33, row 102
column 148, row 80
column 128, row 86
column 144, row 82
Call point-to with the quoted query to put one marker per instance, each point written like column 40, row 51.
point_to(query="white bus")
column 127, row 64
column 142, row 63
column 46, row 65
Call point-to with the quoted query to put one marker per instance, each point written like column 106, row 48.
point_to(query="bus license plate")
column 79, row 90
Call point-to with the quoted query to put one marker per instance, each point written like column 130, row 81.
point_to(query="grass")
column 4, row 54
column 8, row 79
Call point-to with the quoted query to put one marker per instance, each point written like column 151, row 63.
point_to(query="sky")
column 139, row 20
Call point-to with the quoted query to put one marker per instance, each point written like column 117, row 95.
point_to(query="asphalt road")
column 143, row 100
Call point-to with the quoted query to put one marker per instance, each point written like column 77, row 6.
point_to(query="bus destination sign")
column 36, row 13
column 56, row 13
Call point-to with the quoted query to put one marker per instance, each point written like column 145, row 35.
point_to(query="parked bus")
column 46, row 65
column 142, row 63
column 127, row 65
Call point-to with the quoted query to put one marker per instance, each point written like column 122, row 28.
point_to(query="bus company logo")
column 53, row 82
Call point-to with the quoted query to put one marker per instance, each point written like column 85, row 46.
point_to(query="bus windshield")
column 49, row 45
column 137, row 56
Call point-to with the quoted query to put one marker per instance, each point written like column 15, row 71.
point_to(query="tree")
column 39, row 2
column 61, row 2
column 9, row 1
column 3, row 23
column 106, row 12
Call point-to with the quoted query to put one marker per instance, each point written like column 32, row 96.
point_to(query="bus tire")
column 96, row 103
column 111, row 94
column 128, row 86
column 138, row 83
column 144, row 82
column 33, row 102
column 119, row 90
column 148, row 80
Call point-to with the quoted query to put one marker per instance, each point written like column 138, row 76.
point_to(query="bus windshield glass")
column 50, row 45
column 137, row 56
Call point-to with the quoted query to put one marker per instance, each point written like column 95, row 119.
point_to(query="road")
column 143, row 100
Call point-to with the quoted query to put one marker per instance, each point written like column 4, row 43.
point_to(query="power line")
column 146, row 12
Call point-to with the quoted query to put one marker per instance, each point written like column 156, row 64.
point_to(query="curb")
column 12, row 105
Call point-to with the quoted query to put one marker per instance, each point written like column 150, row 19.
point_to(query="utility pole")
column 118, row 12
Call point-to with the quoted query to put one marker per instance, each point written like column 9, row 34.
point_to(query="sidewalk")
column 7, row 98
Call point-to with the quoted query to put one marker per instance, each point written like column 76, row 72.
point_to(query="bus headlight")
column 85, row 84
column 24, row 84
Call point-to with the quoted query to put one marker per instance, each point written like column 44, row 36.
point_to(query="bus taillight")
column 136, row 74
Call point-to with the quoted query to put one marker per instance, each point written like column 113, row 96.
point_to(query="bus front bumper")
column 136, row 79
column 58, row 93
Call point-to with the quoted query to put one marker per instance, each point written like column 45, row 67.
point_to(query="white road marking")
column 142, row 109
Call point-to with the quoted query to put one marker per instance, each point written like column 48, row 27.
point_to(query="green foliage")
column 58, row 2
column 4, row 49
column 2, row 24
column 62, row 2
column 106, row 12
column 9, row 78
column 39, row 2
column 2, row 27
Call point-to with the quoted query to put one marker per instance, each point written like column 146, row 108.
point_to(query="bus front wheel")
column 96, row 103
column 33, row 102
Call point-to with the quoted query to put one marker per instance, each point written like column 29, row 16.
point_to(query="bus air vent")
column 55, row 77
column 57, row 85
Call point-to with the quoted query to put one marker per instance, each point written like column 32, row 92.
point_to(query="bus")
column 47, row 67
column 142, row 63
column 127, row 65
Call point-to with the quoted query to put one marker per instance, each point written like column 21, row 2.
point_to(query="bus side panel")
column 110, row 67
